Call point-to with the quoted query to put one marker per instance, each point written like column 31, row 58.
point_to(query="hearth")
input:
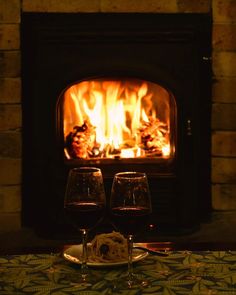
column 120, row 92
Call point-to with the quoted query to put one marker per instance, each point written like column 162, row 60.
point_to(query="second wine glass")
column 130, row 207
column 84, row 205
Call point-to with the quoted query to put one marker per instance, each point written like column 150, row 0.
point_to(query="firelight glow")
column 116, row 118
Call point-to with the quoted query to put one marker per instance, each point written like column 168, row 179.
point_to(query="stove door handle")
column 189, row 127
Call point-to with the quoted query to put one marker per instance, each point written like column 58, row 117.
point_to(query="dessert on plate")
column 109, row 247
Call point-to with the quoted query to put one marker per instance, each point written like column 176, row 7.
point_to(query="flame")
column 166, row 150
column 127, row 119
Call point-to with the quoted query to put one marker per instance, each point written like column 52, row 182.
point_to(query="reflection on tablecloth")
column 181, row 272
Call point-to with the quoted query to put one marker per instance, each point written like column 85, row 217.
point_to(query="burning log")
column 153, row 136
column 80, row 142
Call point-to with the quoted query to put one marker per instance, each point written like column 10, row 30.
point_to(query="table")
column 181, row 272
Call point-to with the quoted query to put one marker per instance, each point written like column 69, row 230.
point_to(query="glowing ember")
column 116, row 118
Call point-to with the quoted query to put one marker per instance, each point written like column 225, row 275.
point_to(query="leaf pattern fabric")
column 181, row 272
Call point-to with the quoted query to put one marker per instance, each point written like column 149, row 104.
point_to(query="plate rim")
column 76, row 260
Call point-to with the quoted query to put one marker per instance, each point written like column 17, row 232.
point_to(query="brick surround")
column 223, row 98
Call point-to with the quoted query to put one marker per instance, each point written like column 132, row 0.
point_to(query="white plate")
column 73, row 254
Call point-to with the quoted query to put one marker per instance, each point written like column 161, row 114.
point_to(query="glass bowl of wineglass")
column 130, row 208
column 84, row 206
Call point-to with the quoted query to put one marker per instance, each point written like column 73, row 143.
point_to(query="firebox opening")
column 127, row 118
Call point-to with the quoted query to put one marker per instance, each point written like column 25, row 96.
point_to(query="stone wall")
column 10, row 115
column 224, row 89
column 224, row 105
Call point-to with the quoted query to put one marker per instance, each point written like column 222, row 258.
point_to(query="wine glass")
column 84, row 206
column 130, row 207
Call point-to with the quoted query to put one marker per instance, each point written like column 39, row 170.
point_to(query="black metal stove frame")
column 172, row 50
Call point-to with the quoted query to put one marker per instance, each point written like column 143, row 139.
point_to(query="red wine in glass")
column 84, row 205
column 84, row 215
column 130, row 207
column 130, row 220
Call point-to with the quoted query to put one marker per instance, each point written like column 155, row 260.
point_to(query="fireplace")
column 120, row 92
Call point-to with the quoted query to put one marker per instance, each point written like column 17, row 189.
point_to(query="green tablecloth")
column 182, row 272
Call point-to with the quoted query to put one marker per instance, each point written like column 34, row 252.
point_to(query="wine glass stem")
column 84, row 267
column 130, row 257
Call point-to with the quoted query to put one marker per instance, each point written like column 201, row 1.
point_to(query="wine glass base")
column 79, row 279
column 130, row 282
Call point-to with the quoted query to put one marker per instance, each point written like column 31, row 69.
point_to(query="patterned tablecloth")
column 181, row 272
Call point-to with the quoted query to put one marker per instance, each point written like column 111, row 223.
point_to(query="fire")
column 116, row 118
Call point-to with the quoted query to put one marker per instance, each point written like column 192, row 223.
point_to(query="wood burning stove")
column 120, row 92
